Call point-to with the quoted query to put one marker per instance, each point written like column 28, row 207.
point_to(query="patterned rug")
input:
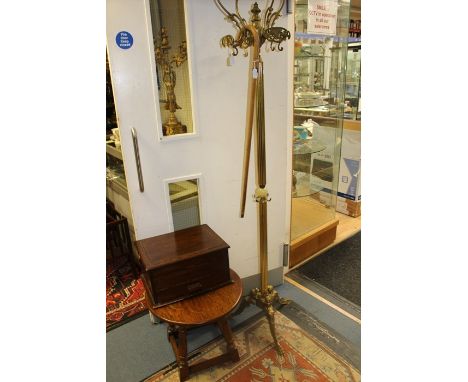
column 125, row 297
column 305, row 359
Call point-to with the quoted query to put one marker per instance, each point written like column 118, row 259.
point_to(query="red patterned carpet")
column 125, row 298
column 305, row 359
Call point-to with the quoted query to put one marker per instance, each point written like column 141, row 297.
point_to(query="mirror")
column 185, row 205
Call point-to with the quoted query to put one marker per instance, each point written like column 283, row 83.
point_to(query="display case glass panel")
column 319, row 102
column 172, row 67
column 353, row 82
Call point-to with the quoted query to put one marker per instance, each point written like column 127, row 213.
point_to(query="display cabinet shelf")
column 115, row 152
column 115, row 173
column 118, row 185
column 302, row 75
column 305, row 57
column 337, row 39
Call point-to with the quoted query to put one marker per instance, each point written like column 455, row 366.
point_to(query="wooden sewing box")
column 184, row 263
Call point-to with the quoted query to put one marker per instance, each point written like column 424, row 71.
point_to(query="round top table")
column 209, row 308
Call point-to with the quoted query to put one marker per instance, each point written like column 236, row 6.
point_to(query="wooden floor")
column 347, row 227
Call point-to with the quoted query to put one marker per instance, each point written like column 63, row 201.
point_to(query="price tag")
column 230, row 60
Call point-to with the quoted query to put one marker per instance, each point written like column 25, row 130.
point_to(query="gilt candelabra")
column 252, row 35
column 172, row 125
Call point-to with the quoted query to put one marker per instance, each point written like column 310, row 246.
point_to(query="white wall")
column 217, row 152
column 221, row 96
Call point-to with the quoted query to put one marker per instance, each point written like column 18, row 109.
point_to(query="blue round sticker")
column 124, row 40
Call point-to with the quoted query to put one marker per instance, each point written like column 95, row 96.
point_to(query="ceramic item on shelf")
column 300, row 132
column 310, row 125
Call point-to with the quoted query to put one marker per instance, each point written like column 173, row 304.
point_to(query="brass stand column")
column 253, row 35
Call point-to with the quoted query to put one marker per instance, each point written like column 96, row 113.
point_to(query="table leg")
column 183, row 361
column 177, row 337
column 227, row 333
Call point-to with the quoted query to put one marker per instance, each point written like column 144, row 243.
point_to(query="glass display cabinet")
column 115, row 173
column 319, row 105
column 116, row 183
column 353, row 82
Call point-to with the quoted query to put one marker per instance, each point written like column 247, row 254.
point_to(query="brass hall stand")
column 253, row 35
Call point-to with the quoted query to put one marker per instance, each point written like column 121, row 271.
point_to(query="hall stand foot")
column 270, row 313
column 284, row 301
column 265, row 299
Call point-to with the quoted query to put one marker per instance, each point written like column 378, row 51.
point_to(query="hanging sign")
column 322, row 15
column 124, row 40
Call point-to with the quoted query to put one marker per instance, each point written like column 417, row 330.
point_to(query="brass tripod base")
column 265, row 300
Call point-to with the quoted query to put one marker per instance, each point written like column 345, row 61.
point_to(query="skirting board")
column 275, row 278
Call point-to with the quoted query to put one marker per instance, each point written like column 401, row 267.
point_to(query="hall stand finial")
column 252, row 35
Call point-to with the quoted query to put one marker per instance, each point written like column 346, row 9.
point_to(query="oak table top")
column 202, row 309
